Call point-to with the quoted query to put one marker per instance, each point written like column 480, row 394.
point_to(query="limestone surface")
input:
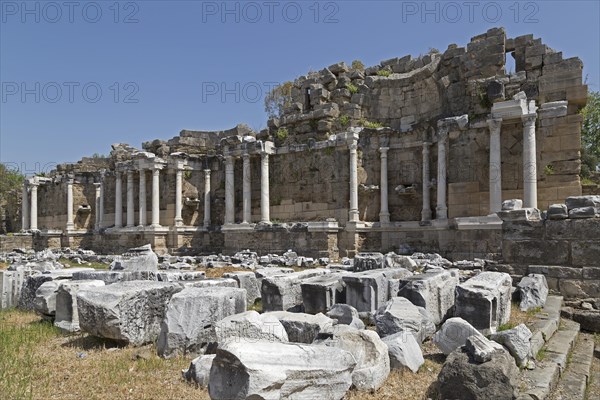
column 533, row 290
column 454, row 334
column 404, row 351
column 369, row 351
column 249, row 327
column 67, row 313
column 189, row 320
column 127, row 311
column 272, row 370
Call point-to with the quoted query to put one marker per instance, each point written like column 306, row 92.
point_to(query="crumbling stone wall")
column 398, row 104
column 565, row 251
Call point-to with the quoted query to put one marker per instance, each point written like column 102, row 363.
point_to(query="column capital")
column 207, row 172
column 383, row 150
column 353, row 146
column 529, row 119
column 494, row 124
column 442, row 133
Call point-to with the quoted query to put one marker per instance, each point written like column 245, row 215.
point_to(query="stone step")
column 546, row 324
column 540, row 382
column 574, row 381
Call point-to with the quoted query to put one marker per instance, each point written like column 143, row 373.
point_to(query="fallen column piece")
column 130, row 311
column 369, row 351
column 320, row 293
column 67, row 313
column 189, row 321
column 367, row 291
column 271, row 370
column 484, row 301
column 433, row 291
column 284, row 293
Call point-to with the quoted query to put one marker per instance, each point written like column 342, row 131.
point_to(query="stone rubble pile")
column 310, row 339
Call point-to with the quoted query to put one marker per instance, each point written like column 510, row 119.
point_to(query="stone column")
column 426, row 212
column 25, row 208
column 143, row 208
column 118, row 200
column 101, row 222
column 178, row 196
column 206, row 198
column 70, row 223
column 384, row 213
column 265, row 205
column 495, row 125
column 130, row 205
column 529, row 161
column 97, row 205
column 229, row 191
column 246, row 190
column 33, row 215
column 441, row 208
column 353, row 212
column 155, row 197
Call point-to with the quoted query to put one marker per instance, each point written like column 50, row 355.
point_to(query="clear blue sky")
column 158, row 64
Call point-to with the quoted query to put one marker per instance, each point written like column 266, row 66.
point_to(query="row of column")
column 155, row 215
column 29, row 209
column 529, row 163
column 246, row 189
column 495, row 174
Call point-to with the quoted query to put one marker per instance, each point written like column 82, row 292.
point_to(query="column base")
column 178, row 221
column 384, row 218
column 441, row 213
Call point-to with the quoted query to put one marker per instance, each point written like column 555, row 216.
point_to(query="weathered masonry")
column 415, row 153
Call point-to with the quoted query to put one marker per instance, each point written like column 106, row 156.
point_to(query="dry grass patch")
column 3, row 265
column 406, row 385
column 38, row 362
column 70, row 264
column 518, row 317
column 219, row 272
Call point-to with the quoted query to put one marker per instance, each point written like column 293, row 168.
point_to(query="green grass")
column 18, row 359
column 257, row 306
column 370, row 124
column 506, row 327
column 384, row 72
column 352, row 88
column 541, row 355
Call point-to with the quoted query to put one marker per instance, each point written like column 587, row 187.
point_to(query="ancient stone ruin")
column 419, row 197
